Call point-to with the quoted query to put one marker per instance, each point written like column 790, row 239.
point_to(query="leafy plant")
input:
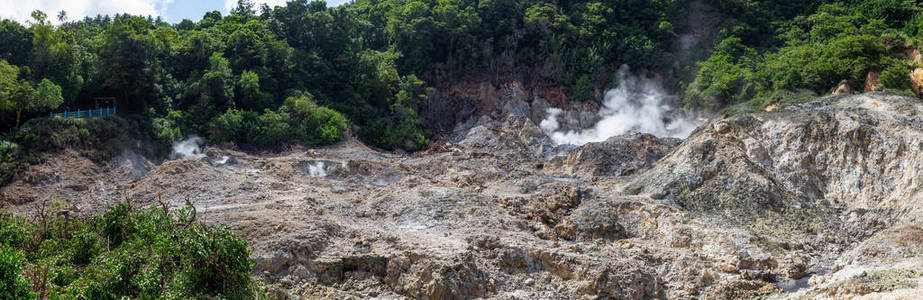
column 13, row 285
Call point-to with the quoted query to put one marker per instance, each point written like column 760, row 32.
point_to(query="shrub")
column 314, row 124
column 84, row 247
column 724, row 78
column 216, row 262
column 406, row 134
column 582, row 89
column 231, row 126
column 125, row 252
column 12, row 230
column 168, row 129
column 402, row 127
column 895, row 76
column 12, row 283
column 299, row 121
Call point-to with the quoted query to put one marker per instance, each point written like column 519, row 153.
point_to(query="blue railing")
column 80, row 114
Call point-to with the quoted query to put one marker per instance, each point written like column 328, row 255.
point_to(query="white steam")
column 187, row 148
column 317, row 169
column 550, row 123
column 636, row 105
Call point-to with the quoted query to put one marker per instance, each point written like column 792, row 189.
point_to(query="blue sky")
column 171, row 10
column 192, row 9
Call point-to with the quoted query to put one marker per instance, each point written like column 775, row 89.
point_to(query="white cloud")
column 21, row 10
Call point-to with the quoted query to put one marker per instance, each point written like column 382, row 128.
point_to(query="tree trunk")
column 18, row 114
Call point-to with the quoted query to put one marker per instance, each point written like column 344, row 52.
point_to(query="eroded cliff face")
column 819, row 200
column 458, row 107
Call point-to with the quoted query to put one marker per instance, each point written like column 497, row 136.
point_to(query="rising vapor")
column 636, row 105
column 187, row 148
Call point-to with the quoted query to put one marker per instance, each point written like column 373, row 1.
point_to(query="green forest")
column 306, row 73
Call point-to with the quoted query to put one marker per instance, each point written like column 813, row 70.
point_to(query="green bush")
column 125, row 252
column 582, row 89
column 168, row 129
column 84, row 246
column 233, row 126
column 724, row 78
column 895, row 77
column 299, row 121
column 13, row 236
column 314, row 124
column 13, row 285
column 406, row 134
column 12, row 230
column 401, row 127
column 216, row 261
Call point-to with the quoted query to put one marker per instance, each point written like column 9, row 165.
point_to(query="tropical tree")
column 20, row 96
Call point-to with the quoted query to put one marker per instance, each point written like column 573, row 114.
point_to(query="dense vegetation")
column 305, row 73
column 136, row 253
column 839, row 42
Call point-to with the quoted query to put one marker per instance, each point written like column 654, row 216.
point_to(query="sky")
column 172, row 11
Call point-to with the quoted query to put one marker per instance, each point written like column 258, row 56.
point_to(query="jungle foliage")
column 149, row 253
column 366, row 66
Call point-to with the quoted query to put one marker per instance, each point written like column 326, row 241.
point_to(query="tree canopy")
column 367, row 65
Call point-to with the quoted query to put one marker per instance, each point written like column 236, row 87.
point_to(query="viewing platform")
column 81, row 114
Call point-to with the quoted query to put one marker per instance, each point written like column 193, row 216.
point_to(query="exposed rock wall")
column 461, row 106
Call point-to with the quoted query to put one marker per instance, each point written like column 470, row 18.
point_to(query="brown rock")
column 772, row 107
column 842, row 89
column 916, row 80
column 872, row 80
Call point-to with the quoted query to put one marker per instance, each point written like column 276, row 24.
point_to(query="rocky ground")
column 816, row 201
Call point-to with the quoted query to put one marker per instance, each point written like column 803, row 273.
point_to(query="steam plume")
column 187, row 148
column 317, row 169
column 636, row 105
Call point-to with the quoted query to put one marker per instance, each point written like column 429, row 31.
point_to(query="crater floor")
column 816, row 201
